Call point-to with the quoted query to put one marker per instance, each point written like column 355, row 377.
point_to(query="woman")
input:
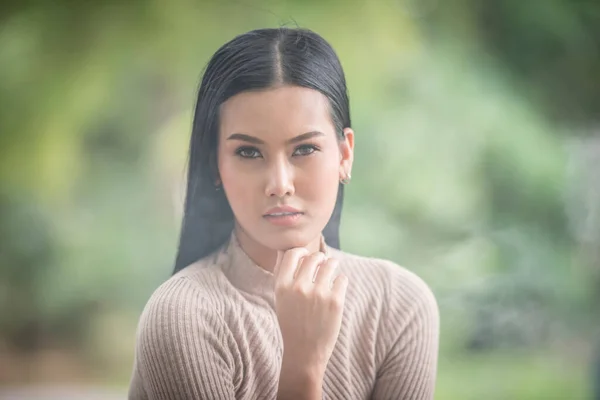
column 263, row 304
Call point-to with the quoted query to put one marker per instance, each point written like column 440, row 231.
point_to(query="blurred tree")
column 549, row 53
column 26, row 254
column 551, row 48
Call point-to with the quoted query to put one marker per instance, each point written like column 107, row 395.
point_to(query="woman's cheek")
column 321, row 181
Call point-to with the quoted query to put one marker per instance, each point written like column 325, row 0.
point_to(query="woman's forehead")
column 283, row 111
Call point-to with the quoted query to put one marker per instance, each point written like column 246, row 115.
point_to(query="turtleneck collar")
column 245, row 274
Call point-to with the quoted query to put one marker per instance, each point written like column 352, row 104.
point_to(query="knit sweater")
column 211, row 332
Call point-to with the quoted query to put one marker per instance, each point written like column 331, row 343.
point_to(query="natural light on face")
column 278, row 147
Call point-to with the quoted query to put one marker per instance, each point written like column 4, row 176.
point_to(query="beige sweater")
column 211, row 332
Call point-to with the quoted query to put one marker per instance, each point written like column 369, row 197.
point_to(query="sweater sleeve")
column 183, row 348
column 411, row 332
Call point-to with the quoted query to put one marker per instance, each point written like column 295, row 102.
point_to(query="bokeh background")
column 477, row 166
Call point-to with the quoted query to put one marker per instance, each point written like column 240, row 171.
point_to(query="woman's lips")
column 283, row 215
column 284, row 219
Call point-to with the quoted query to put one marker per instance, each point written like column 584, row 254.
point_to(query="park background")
column 477, row 166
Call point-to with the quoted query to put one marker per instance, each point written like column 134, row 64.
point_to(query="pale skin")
column 278, row 147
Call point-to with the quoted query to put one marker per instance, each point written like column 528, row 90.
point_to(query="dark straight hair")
column 256, row 60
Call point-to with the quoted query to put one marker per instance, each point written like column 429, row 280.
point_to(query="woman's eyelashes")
column 247, row 152
column 305, row 149
column 253, row 152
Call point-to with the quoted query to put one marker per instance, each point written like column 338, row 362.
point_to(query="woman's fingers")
column 288, row 263
column 326, row 273
column 306, row 270
column 340, row 285
column 296, row 266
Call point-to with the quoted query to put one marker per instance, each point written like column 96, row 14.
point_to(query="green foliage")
column 510, row 376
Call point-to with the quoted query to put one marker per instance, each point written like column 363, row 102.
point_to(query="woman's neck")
column 262, row 255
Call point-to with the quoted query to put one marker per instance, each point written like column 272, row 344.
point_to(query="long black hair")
column 256, row 60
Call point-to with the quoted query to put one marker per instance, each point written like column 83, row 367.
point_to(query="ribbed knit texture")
column 211, row 332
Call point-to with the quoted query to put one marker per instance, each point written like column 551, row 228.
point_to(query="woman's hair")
column 256, row 60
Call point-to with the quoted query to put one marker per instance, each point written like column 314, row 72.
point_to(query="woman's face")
column 280, row 163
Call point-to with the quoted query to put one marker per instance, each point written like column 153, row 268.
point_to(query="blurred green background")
column 477, row 166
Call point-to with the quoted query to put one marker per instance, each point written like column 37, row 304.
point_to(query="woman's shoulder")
column 195, row 287
column 386, row 280
column 180, row 322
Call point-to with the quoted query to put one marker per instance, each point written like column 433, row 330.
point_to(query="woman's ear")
column 346, row 153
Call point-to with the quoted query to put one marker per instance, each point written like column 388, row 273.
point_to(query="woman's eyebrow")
column 252, row 139
column 305, row 136
column 245, row 138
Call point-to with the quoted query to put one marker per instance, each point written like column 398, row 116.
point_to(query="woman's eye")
column 248, row 152
column 305, row 150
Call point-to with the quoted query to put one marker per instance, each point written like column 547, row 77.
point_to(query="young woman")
column 263, row 304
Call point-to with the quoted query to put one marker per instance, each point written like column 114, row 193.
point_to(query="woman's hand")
column 309, row 309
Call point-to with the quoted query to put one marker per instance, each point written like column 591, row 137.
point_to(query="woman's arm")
column 409, row 369
column 184, row 349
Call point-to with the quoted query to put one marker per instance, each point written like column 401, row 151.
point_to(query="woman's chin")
column 289, row 240
column 285, row 239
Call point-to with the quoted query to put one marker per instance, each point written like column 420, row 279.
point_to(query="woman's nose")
column 280, row 181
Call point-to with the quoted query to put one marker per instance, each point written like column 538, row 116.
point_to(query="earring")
column 346, row 180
